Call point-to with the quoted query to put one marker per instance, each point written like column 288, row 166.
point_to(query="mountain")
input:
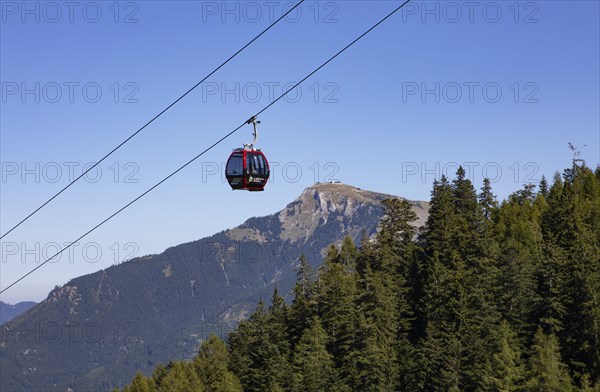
column 94, row 332
column 9, row 312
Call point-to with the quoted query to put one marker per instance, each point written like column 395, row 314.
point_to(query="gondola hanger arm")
column 252, row 120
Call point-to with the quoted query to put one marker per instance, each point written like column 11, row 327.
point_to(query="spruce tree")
column 572, row 231
column 313, row 365
column 248, row 353
column 547, row 373
column 396, row 314
column 366, row 257
column 348, row 253
column 467, row 214
column 303, row 304
column 256, row 353
column 373, row 358
column 336, row 306
column 442, row 304
column 518, row 264
column 550, row 309
column 182, row 377
column 457, row 308
column 212, row 366
column 507, row 370
column 544, row 188
column 140, row 383
column 487, row 200
column 397, row 251
column 279, row 357
column 160, row 371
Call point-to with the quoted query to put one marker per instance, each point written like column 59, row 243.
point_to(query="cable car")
column 247, row 168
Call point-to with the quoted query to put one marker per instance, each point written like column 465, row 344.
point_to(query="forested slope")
column 490, row 297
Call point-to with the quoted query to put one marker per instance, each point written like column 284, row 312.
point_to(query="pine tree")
column 547, row 373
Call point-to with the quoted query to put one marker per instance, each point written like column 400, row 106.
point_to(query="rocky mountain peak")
column 325, row 203
column 165, row 304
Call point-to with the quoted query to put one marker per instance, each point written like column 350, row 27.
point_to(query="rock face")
column 93, row 333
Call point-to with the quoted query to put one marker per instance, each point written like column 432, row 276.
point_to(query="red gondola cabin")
column 247, row 169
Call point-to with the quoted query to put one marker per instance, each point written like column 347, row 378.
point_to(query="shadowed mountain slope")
column 93, row 333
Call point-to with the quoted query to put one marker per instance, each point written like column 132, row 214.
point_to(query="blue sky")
column 500, row 87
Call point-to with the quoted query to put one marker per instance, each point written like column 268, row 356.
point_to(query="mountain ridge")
column 155, row 308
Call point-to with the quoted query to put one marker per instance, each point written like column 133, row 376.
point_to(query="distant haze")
column 9, row 312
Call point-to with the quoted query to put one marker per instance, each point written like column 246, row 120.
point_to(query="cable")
column 152, row 120
column 209, row 148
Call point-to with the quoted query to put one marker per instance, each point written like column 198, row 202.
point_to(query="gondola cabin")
column 247, row 169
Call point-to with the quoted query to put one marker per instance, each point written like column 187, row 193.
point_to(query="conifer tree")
column 160, row 371
column 302, row 309
column 544, row 188
column 547, row 373
column 366, row 257
column 313, row 364
column 518, row 265
column 279, row 357
column 442, row 305
column 256, row 353
column 467, row 220
column 550, row 309
column 586, row 385
column 212, row 366
column 572, row 231
column 247, row 350
column 397, row 251
column 487, row 200
column 348, row 253
column 182, row 377
column 383, row 355
column 425, row 315
column 336, row 305
column 507, row 370
column 457, row 309
column 140, row 383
